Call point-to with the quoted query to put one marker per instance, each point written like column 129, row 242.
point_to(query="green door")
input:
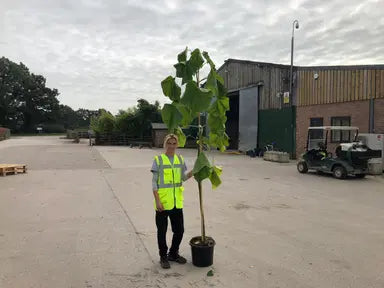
column 279, row 126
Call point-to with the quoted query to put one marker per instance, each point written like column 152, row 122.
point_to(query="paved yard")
column 83, row 217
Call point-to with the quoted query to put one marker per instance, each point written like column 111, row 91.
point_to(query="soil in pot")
column 202, row 252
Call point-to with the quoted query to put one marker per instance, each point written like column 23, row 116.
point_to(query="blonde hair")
column 168, row 137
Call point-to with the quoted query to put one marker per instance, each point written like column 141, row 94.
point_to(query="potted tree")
column 212, row 101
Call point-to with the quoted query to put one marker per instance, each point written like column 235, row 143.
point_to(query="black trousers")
column 177, row 223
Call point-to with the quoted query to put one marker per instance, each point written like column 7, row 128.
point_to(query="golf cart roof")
column 348, row 128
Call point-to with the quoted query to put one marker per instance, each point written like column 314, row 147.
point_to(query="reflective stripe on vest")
column 170, row 181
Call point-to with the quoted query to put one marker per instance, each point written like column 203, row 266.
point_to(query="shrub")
column 5, row 133
column 106, row 123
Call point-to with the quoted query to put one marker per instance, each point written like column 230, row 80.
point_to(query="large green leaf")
column 220, row 140
column 181, row 136
column 196, row 61
column 197, row 99
column 219, row 108
column 183, row 71
column 223, row 105
column 209, row 60
column 205, row 141
column 216, row 124
column 171, row 89
column 203, row 174
column 182, row 57
column 216, row 84
column 221, row 89
column 220, row 79
column 215, row 176
column 187, row 114
column 171, row 116
column 201, row 162
column 217, row 117
column 211, row 83
column 202, row 168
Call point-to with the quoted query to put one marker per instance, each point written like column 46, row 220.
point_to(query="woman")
column 169, row 171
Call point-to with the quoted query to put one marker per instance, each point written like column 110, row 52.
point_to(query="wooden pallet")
column 6, row 169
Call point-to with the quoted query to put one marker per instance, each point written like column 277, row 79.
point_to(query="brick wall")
column 358, row 111
column 379, row 116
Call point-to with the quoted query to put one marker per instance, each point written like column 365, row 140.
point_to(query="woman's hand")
column 159, row 206
column 190, row 174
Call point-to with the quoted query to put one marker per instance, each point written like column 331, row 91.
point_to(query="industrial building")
column 262, row 111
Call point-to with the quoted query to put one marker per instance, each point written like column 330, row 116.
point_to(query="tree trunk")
column 199, row 183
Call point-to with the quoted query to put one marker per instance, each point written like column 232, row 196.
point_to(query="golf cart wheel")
column 339, row 172
column 302, row 167
column 361, row 176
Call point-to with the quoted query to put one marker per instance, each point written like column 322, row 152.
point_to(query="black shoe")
column 177, row 258
column 164, row 263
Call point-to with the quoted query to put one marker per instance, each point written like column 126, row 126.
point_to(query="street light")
column 295, row 25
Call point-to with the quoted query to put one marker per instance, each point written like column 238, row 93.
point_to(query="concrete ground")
column 83, row 217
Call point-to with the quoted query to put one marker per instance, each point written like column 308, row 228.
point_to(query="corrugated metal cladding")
column 339, row 84
column 272, row 78
column 248, row 118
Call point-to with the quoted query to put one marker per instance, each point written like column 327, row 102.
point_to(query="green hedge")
column 52, row 128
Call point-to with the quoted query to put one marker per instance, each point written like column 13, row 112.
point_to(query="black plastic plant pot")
column 202, row 252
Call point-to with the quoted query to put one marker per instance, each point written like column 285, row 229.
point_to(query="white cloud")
column 111, row 53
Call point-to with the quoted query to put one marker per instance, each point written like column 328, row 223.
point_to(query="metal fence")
column 121, row 139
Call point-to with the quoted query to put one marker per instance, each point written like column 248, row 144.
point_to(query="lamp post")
column 295, row 25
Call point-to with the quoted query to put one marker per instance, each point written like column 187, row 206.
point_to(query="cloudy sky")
column 109, row 53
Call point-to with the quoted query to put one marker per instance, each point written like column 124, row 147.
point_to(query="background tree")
column 67, row 117
column 84, row 117
column 146, row 114
column 12, row 77
column 105, row 123
column 134, row 122
column 25, row 101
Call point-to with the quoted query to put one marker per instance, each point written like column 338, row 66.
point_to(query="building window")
column 340, row 136
column 316, row 122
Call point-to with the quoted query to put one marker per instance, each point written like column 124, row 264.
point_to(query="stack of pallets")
column 6, row 169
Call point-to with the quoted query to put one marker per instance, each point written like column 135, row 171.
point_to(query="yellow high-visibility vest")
column 170, row 181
